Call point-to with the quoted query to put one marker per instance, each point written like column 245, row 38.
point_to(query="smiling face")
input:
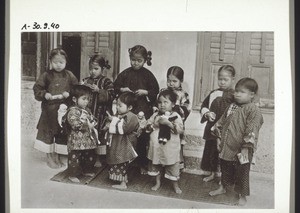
column 58, row 63
column 225, row 80
column 165, row 104
column 95, row 70
column 243, row 95
column 82, row 101
column 137, row 61
column 173, row 82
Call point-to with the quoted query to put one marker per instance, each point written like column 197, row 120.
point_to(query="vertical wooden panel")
column 263, row 48
column 222, row 46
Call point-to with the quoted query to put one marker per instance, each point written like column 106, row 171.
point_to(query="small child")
column 237, row 132
column 102, row 97
column 165, row 155
column 52, row 89
column 175, row 76
column 143, row 83
column 123, row 130
column 82, row 139
column 211, row 110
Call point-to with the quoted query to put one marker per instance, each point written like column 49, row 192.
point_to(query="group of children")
column 148, row 123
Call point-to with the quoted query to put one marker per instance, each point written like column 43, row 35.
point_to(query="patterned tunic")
column 169, row 153
column 123, row 132
column 80, row 136
column 238, row 128
column 54, row 83
column 139, row 79
column 101, row 101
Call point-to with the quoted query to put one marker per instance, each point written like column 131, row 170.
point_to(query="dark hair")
column 99, row 60
column 168, row 93
column 79, row 90
column 227, row 68
column 176, row 71
column 128, row 98
column 248, row 83
column 58, row 51
column 139, row 49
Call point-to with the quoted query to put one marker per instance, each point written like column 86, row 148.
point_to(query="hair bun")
column 107, row 64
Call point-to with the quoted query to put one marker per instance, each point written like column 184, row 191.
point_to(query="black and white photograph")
column 142, row 119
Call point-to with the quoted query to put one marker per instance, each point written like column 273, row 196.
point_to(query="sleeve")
column 216, row 129
column 185, row 105
column 123, row 125
column 204, row 108
column 106, row 92
column 253, row 124
column 40, row 87
column 119, row 82
column 152, row 87
column 150, row 123
column 74, row 80
column 178, row 126
column 73, row 118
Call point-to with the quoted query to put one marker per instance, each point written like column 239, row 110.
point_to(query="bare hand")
column 48, row 96
column 211, row 116
column 66, row 94
column 219, row 144
column 125, row 89
column 164, row 121
column 109, row 116
column 244, row 153
column 94, row 88
column 141, row 92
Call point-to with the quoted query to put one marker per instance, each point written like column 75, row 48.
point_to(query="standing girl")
column 211, row 110
column 102, row 95
column 123, row 129
column 52, row 88
column 182, row 106
column 82, row 139
column 237, row 132
column 165, row 155
column 142, row 82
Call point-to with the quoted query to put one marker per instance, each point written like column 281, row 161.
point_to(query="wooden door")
column 251, row 53
column 106, row 44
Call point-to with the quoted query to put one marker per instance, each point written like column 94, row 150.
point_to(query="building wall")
column 168, row 49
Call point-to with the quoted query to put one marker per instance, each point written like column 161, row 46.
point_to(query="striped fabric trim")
column 153, row 173
column 116, row 126
column 171, row 177
column 60, row 149
column 43, row 147
column 118, row 177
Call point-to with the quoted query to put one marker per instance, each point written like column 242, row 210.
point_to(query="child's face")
column 165, row 104
column 173, row 82
column 137, row 61
column 95, row 70
column 122, row 108
column 225, row 79
column 243, row 95
column 58, row 63
column 82, row 101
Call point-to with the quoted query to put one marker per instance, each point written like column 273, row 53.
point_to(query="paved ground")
column 39, row 192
